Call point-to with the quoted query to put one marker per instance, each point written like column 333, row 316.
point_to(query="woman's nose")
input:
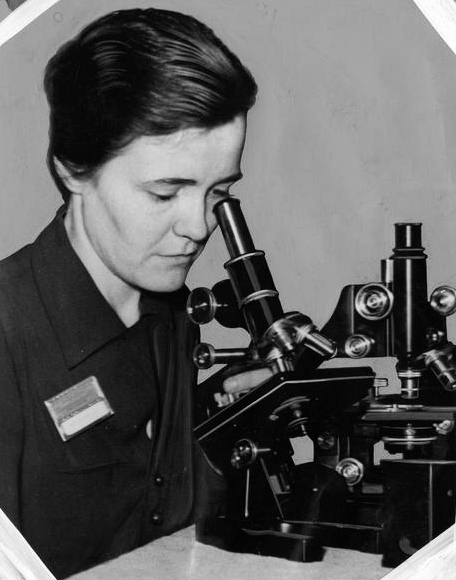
column 196, row 221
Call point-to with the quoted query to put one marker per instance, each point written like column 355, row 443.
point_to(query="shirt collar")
column 81, row 317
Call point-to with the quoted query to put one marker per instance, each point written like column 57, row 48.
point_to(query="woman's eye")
column 160, row 197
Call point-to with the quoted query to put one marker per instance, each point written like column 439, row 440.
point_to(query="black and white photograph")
column 227, row 289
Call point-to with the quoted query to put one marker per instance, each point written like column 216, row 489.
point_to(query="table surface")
column 181, row 557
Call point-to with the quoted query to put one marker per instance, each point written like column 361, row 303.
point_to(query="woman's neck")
column 122, row 297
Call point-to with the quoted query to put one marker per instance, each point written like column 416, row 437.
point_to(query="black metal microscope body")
column 397, row 451
column 343, row 496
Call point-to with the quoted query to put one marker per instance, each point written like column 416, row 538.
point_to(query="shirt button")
column 156, row 519
column 158, row 480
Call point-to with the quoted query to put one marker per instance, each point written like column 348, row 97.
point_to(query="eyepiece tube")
column 408, row 236
column 234, row 228
column 248, row 270
column 410, row 301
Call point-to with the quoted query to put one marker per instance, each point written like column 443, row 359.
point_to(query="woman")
column 147, row 126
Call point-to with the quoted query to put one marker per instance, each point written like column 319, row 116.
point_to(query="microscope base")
column 418, row 505
column 246, row 538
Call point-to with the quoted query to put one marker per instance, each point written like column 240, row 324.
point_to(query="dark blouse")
column 125, row 480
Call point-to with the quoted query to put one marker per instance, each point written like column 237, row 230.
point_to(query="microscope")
column 382, row 473
column 397, row 452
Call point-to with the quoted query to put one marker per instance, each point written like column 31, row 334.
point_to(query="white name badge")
column 78, row 408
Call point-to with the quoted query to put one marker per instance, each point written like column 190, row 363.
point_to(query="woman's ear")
column 72, row 183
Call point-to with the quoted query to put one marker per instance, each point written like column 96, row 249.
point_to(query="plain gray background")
column 354, row 130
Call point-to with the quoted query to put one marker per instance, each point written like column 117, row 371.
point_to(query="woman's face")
column 147, row 213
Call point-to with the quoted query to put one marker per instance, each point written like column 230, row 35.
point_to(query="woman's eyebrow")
column 185, row 181
column 170, row 181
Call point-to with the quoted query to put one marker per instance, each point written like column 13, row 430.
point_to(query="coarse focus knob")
column 443, row 300
column 374, row 301
column 201, row 305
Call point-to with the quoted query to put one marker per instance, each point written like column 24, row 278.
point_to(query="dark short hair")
column 133, row 73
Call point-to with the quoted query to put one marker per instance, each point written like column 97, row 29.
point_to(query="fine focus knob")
column 245, row 453
column 358, row 345
column 351, row 470
column 205, row 355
